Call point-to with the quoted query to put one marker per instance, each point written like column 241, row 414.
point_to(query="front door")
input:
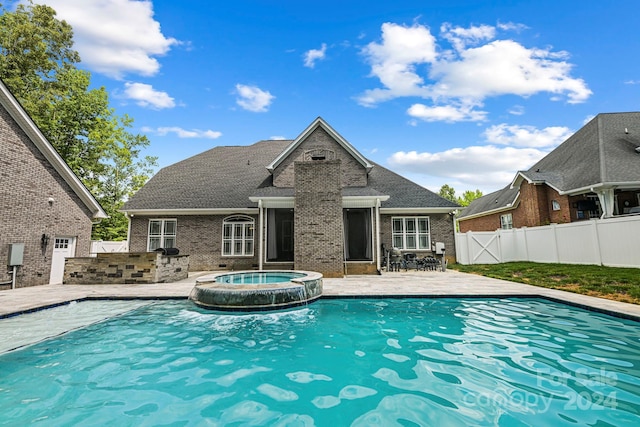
column 63, row 247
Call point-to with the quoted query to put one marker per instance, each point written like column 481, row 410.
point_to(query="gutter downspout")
column 454, row 219
column 128, row 231
column 260, row 235
column 378, row 235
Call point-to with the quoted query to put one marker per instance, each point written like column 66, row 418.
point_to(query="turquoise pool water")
column 259, row 278
column 391, row 362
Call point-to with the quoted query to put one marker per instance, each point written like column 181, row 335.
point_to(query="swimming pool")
column 336, row 362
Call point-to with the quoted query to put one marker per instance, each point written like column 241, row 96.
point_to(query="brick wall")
column 534, row 209
column 353, row 174
column 27, row 182
column 441, row 231
column 126, row 268
column 318, row 242
column 200, row 237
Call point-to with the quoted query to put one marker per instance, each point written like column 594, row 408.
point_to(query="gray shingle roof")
column 500, row 199
column 225, row 178
column 600, row 152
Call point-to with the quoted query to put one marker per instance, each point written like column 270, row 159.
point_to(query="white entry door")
column 63, row 247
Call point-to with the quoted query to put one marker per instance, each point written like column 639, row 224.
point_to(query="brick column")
column 319, row 244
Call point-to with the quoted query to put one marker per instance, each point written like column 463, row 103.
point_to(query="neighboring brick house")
column 593, row 174
column 46, row 213
column 314, row 203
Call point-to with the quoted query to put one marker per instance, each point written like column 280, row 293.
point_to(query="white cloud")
column 505, row 67
column 146, row 96
column 486, row 167
column 115, row 37
column 394, row 61
column 461, row 37
column 516, row 110
column 512, row 26
column 184, row 133
column 446, row 113
column 408, row 62
column 277, row 138
column 527, row 136
column 313, row 55
column 252, row 98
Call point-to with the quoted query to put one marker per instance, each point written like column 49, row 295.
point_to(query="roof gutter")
column 204, row 211
column 403, row 211
column 508, row 207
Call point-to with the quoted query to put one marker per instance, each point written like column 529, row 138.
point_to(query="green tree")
column 448, row 193
column 38, row 65
column 468, row 197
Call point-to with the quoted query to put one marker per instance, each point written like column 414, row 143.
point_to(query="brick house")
column 46, row 213
column 313, row 203
column 593, row 174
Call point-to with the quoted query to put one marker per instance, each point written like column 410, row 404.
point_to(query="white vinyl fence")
column 101, row 246
column 613, row 242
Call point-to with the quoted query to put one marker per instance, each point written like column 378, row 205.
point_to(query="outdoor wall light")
column 44, row 241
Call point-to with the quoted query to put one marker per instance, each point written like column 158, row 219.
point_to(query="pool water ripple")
column 337, row 362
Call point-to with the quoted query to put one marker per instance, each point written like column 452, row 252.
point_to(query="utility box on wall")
column 16, row 252
column 439, row 248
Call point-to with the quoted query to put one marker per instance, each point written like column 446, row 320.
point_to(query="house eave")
column 601, row 185
column 418, row 210
column 521, row 177
column 193, row 211
column 491, row 212
column 35, row 135
column 347, row 201
column 509, row 206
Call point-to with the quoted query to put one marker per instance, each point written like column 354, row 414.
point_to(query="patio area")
column 410, row 283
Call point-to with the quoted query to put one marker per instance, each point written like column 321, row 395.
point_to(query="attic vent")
column 319, row 154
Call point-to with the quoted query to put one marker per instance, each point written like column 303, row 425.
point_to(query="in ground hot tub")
column 257, row 290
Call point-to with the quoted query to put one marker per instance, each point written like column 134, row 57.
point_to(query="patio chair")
column 410, row 261
column 395, row 259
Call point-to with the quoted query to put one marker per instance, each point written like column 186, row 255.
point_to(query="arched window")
column 237, row 235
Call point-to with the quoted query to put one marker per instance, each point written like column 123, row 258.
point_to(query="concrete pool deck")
column 410, row 283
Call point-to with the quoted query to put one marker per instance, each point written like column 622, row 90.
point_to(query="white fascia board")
column 275, row 202
column 44, row 146
column 601, row 185
column 177, row 212
column 521, row 177
column 362, row 201
column 335, row 135
column 509, row 206
column 418, row 210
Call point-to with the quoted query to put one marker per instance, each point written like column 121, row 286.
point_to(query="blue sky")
column 458, row 92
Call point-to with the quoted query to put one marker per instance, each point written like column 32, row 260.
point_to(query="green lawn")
column 620, row 284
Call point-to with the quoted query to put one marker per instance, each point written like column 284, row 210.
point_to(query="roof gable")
column 600, row 153
column 15, row 110
column 319, row 122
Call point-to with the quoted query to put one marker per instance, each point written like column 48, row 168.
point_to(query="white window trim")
column 503, row 222
column 417, row 233
column 162, row 235
column 248, row 221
